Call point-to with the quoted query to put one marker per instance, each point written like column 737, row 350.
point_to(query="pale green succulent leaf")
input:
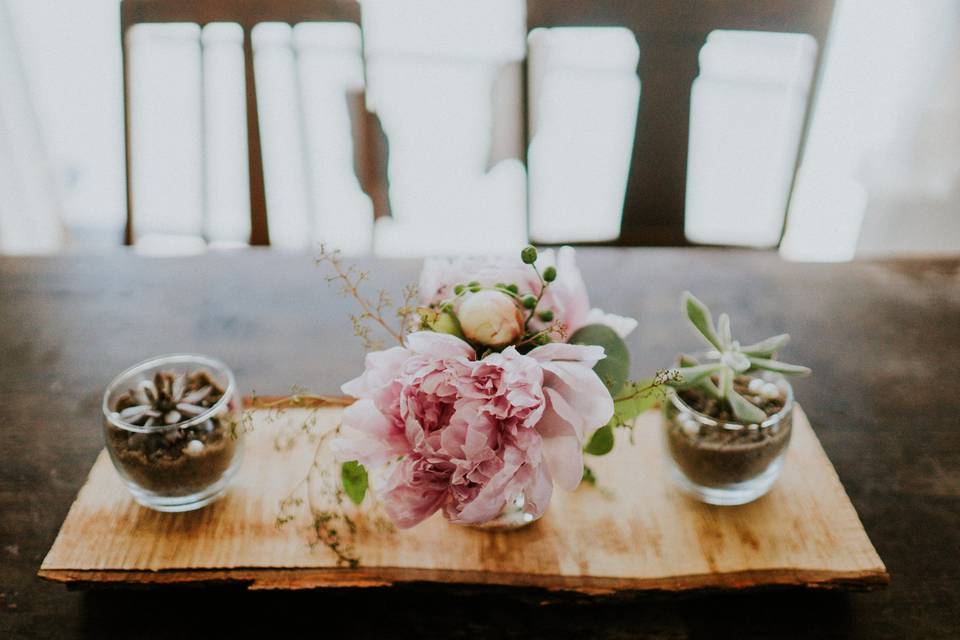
column 766, row 348
column 709, row 387
column 735, row 360
column 723, row 330
column 690, row 375
column 688, row 361
column 700, row 318
column 744, row 409
column 779, row 367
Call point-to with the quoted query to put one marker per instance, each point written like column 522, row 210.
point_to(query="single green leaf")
column 735, row 360
column 688, row 360
column 588, row 476
column 710, row 388
column 602, row 441
column 744, row 409
column 353, row 476
column 700, row 317
column 766, row 348
column 635, row 398
column 615, row 367
column 779, row 367
column 723, row 331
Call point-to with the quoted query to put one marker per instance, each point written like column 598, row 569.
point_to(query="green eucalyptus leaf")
column 779, row 367
column 766, row 348
column 615, row 367
column 601, row 443
column 353, row 476
column 700, row 317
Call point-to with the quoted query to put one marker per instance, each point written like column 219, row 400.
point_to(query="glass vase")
column 723, row 462
column 182, row 451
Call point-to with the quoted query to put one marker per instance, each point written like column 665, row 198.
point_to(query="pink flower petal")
column 368, row 436
column 439, row 345
column 562, row 428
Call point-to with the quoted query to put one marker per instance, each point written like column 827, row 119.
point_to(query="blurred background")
column 823, row 130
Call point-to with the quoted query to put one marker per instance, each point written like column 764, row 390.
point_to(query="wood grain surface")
column 879, row 336
column 632, row 532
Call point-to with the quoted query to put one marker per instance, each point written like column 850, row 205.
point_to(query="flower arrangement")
column 503, row 374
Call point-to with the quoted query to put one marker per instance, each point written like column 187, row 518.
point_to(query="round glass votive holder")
column 722, row 462
column 172, row 426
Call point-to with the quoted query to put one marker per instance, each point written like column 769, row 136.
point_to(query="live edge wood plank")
column 639, row 535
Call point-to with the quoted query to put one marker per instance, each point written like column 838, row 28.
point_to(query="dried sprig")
column 373, row 313
column 318, row 492
column 634, row 398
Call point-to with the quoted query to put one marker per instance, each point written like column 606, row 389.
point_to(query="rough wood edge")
column 296, row 578
column 304, row 402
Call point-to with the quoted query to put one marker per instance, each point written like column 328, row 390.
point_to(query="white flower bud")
column 490, row 318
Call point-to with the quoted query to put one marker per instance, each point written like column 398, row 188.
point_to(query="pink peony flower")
column 566, row 296
column 468, row 436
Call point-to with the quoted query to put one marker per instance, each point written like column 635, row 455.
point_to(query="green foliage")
column 353, row 476
column 601, row 443
column 730, row 360
column 615, row 367
column 700, row 318
column 635, row 398
column 588, row 476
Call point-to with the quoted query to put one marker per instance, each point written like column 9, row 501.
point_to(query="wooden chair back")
column 246, row 13
column 670, row 35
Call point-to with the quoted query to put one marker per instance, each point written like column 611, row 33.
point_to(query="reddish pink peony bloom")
column 468, row 436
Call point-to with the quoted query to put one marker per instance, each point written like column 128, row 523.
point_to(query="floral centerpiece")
column 501, row 375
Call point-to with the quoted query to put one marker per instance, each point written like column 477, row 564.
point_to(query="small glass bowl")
column 726, row 463
column 181, row 466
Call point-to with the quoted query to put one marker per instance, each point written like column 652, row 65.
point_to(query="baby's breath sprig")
column 372, row 312
column 317, row 494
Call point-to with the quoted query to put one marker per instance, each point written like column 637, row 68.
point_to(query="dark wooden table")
column 882, row 338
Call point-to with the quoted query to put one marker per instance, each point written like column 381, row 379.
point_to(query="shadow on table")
column 424, row 611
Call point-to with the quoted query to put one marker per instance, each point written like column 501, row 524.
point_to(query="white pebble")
column 689, row 426
column 770, row 391
column 194, row 448
column 756, row 384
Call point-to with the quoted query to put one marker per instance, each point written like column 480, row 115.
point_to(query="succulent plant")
column 168, row 398
column 729, row 359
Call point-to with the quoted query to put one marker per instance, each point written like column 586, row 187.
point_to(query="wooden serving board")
column 632, row 532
